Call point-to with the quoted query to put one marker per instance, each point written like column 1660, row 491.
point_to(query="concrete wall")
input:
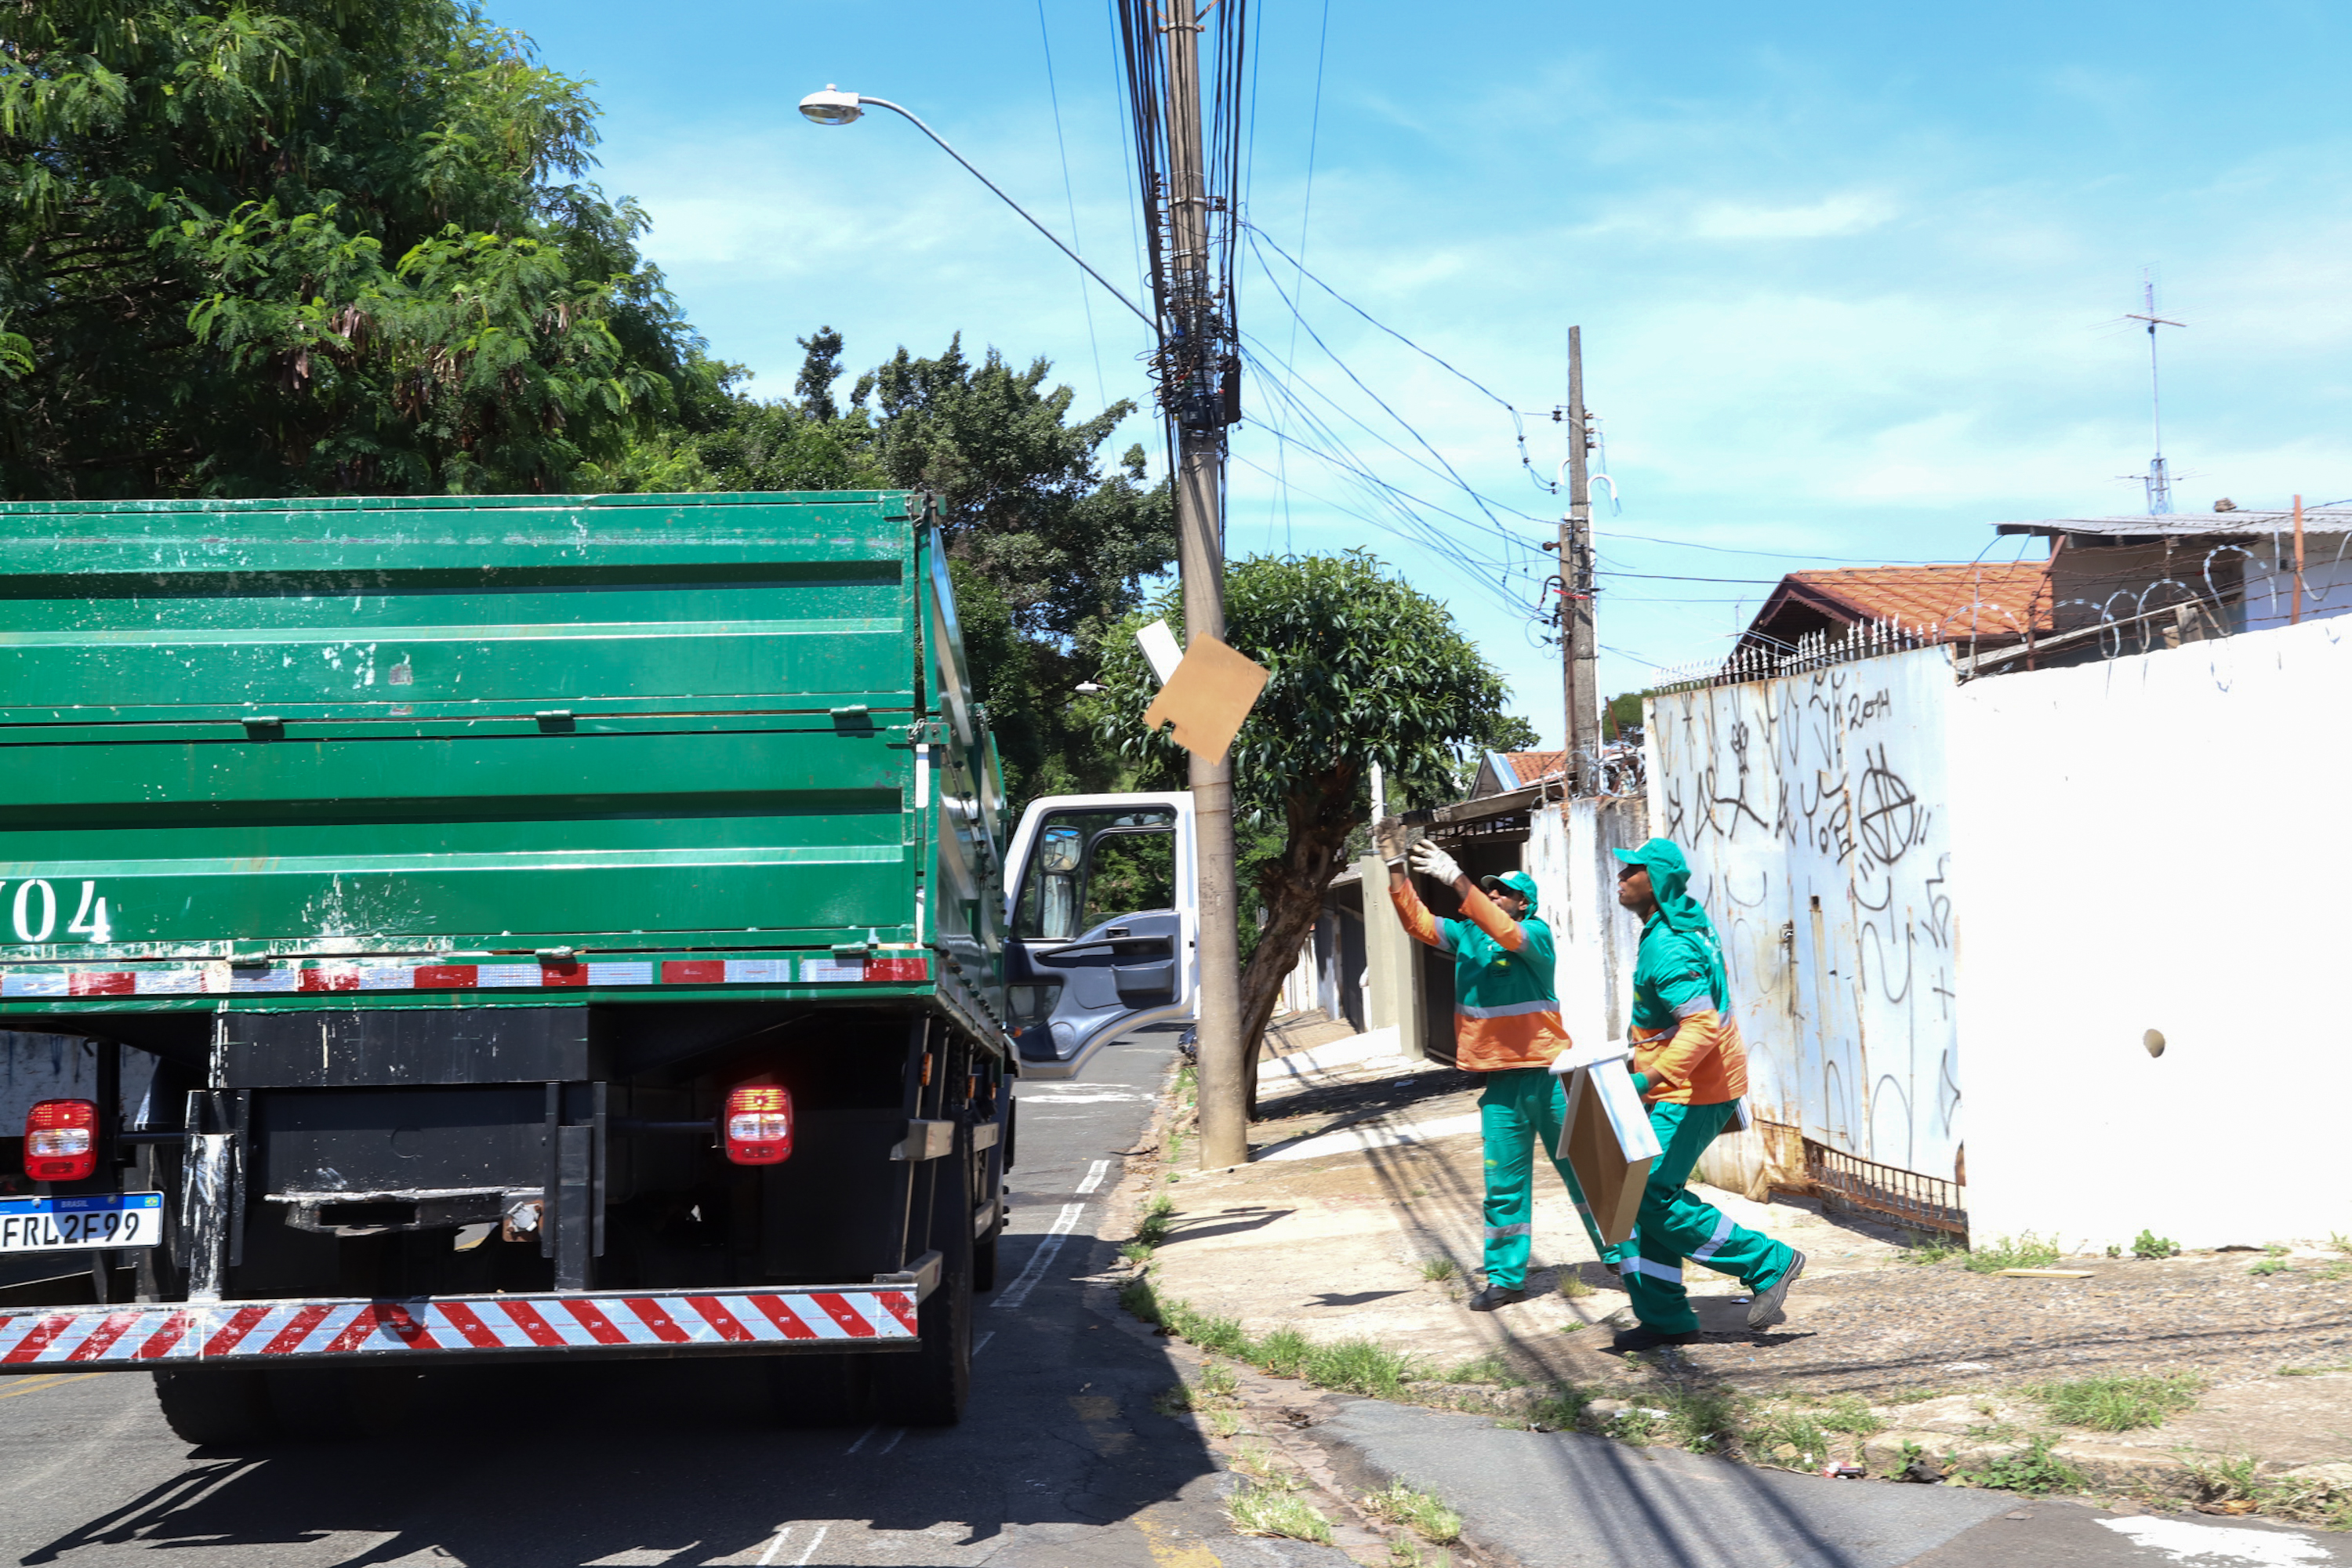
column 1809, row 806
column 1568, row 853
column 2158, row 842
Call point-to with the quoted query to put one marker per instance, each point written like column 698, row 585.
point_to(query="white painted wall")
column 1568, row 853
column 2270, row 580
column 2159, row 842
column 1810, row 807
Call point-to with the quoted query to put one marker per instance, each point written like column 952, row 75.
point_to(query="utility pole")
column 1577, row 650
column 1225, row 1064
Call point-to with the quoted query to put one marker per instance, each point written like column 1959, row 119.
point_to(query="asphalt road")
column 1060, row 1461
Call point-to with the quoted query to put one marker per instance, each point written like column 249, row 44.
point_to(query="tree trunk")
column 1293, row 889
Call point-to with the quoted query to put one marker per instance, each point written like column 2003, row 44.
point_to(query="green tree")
column 287, row 246
column 1364, row 669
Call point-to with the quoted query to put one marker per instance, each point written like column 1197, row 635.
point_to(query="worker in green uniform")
column 1507, row 1027
column 1691, row 1069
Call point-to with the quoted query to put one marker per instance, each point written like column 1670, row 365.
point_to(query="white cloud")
column 1853, row 212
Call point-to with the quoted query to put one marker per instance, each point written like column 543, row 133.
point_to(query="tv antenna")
column 2160, row 482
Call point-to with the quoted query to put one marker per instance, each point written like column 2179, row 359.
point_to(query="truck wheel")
column 328, row 1402
column 222, row 1405
column 929, row 1387
column 983, row 1263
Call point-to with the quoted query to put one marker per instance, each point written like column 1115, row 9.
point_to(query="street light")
column 834, row 106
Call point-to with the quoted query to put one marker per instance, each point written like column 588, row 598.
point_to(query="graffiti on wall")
column 1810, row 807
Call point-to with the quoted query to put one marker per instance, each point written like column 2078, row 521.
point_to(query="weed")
column 1703, row 1420
column 1487, row 1368
column 1223, row 1335
column 1141, row 1300
column 2023, row 1251
column 1218, row 1381
column 1439, row 1268
column 1561, row 1410
column 1638, row 1426
column 1173, row 1401
column 1924, row 1249
column 1418, row 1511
column 2321, row 1370
column 2271, row 1266
column 1572, row 1285
column 2034, row 1472
column 2337, row 1270
column 1405, row 1551
column 2226, row 1481
column 1574, row 1328
column 1225, row 1423
column 1849, row 1415
column 1187, row 1083
column 1174, row 1153
column 2340, row 1242
column 2117, row 1403
column 2311, row 1500
column 1153, row 1228
column 2277, row 1249
column 1253, row 1460
column 1358, row 1366
column 1136, row 1252
column 1914, row 1396
column 1769, row 1431
column 1284, row 1353
column 1267, row 1509
column 2148, row 1244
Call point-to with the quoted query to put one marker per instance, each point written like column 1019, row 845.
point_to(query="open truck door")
column 1102, row 922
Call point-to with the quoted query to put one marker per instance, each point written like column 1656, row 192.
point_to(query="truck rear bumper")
column 173, row 1335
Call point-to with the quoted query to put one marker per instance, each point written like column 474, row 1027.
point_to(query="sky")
column 1852, row 279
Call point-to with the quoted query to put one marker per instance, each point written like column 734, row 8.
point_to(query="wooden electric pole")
column 1198, row 410
column 1577, row 650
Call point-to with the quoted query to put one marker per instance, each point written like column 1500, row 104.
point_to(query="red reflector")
column 885, row 966
column 61, row 1140
column 694, row 972
column 759, row 1125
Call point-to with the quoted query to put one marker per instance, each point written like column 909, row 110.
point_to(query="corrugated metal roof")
column 2184, row 524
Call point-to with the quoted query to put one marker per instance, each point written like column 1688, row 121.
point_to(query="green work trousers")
column 1520, row 1111
column 1674, row 1226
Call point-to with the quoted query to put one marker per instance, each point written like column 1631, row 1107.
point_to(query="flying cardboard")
column 1211, row 690
column 1606, row 1136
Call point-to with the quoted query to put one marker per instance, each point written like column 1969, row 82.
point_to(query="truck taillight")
column 759, row 1125
column 61, row 1140
column 901, row 968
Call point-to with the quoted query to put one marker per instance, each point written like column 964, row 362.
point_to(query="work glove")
column 1431, row 862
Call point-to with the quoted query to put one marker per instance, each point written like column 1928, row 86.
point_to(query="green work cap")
column 1519, row 882
column 1662, row 857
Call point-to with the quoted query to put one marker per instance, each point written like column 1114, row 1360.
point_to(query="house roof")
column 1982, row 598
column 2200, row 525
column 1530, row 767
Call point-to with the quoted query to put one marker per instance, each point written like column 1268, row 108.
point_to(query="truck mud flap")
column 178, row 1334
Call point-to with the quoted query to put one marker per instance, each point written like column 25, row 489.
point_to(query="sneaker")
column 1494, row 1296
column 1767, row 1308
column 1648, row 1338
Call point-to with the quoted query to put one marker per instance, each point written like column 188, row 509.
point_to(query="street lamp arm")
column 917, row 121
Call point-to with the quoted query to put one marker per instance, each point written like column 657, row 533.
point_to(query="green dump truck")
column 512, row 928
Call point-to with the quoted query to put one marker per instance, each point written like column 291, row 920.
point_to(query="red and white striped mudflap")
column 181, row 1333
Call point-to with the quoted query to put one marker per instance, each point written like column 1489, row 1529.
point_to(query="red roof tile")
column 1965, row 598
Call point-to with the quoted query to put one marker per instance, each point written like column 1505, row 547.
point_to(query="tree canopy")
column 1363, row 667
column 287, row 246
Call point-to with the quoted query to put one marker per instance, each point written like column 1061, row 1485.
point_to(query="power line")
column 1305, row 210
column 1069, row 197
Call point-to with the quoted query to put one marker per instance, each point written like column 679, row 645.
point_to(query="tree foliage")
column 286, row 247
column 1364, row 669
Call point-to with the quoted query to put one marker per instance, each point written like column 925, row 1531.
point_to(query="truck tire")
column 226, row 1405
column 983, row 1262
column 332, row 1403
column 818, row 1390
column 929, row 1387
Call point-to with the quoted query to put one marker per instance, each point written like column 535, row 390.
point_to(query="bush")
column 2148, row 1244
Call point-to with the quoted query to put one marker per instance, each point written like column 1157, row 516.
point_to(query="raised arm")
column 1477, row 907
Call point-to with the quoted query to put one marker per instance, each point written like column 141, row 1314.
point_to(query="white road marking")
column 862, row 1436
column 982, row 1343
column 801, row 1559
column 775, row 1546
column 1093, row 1177
column 893, row 1442
column 1019, row 1290
column 1096, row 1097
column 2214, row 1545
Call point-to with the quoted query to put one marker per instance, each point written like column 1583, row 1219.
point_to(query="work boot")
column 1769, row 1307
column 1494, row 1296
column 1641, row 1338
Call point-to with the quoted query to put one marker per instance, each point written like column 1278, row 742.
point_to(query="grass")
column 1253, row 1460
column 1282, row 1353
column 2271, row 1266
column 2149, row 1245
column 1136, row 1252
column 1488, row 1368
column 1173, row 1401
column 1423, row 1514
column 1561, row 1410
column 1572, row 1285
column 2117, row 1403
column 1270, row 1509
column 1701, row 1420
column 1439, row 1269
column 1926, row 1249
column 1789, row 1426
column 2034, row 1472
column 1405, row 1551
column 1359, row 1366
column 1849, row 1415
column 1225, row 1423
column 1152, row 1229
column 2023, row 1251
column 1218, row 1381
column 2340, row 1242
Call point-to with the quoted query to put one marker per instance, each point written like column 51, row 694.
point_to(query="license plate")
column 70, row 1224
